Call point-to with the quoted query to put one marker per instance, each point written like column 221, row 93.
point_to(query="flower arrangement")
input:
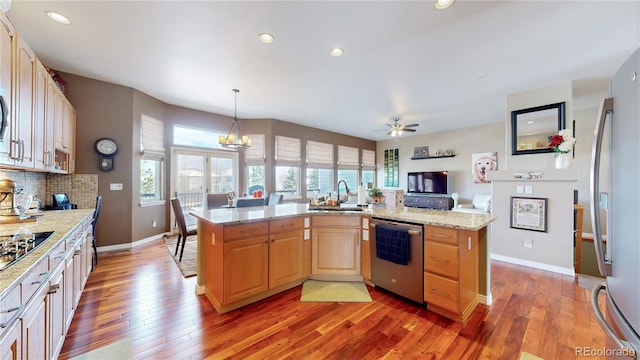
column 563, row 142
column 231, row 195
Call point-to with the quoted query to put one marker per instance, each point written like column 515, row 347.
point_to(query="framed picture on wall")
column 529, row 213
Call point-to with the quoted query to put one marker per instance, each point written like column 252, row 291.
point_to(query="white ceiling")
column 442, row 69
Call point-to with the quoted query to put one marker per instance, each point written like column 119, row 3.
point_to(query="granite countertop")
column 457, row 220
column 62, row 222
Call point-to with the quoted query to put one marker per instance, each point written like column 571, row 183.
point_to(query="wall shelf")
column 431, row 157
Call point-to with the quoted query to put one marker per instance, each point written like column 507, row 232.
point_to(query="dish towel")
column 392, row 244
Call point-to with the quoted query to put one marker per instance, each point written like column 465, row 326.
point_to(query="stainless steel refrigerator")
column 616, row 145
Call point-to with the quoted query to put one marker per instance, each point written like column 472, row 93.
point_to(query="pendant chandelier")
column 232, row 140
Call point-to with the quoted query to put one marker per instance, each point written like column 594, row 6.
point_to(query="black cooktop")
column 15, row 247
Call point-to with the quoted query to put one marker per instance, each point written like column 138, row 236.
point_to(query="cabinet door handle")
column 77, row 252
column 16, row 310
column 439, row 292
column 437, row 259
column 21, row 150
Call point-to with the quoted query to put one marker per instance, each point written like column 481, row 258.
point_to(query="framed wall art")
column 529, row 213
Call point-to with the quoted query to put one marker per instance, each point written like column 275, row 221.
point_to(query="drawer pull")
column 40, row 281
column 17, row 310
column 440, row 235
column 436, row 259
column 54, row 289
column 77, row 252
column 439, row 292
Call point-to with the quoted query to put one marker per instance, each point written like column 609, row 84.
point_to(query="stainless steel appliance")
column 404, row 280
column 14, row 247
column 617, row 139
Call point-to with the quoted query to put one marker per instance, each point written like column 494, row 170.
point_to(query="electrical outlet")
column 528, row 243
column 115, row 186
column 154, row 223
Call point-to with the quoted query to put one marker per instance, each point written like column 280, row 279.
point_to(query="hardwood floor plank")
column 140, row 294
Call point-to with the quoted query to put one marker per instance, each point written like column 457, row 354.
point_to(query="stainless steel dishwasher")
column 404, row 280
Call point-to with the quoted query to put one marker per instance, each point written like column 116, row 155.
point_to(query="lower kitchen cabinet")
column 285, row 251
column 246, row 270
column 34, row 326
column 451, row 271
column 35, row 315
column 256, row 260
column 335, row 243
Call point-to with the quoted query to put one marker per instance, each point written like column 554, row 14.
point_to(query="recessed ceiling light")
column 266, row 38
column 336, row 52
column 443, row 4
column 59, row 18
column 530, row 122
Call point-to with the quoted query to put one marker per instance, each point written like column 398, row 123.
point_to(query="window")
column 319, row 168
column 319, row 181
column 254, row 163
column 351, row 177
column 288, row 180
column 222, row 179
column 288, row 162
column 368, row 174
column 195, row 137
column 151, row 181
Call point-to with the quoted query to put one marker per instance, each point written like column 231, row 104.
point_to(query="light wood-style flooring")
column 140, row 294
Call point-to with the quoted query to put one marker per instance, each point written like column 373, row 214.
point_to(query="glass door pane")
column 189, row 175
column 222, row 178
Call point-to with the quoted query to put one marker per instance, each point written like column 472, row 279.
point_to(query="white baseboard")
column 131, row 245
column 534, row 264
column 199, row 289
column 485, row 299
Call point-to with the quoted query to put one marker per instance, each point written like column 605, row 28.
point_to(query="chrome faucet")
column 346, row 187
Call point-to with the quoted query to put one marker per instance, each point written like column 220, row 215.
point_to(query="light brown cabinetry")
column 29, row 94
column 7, row 38
column 248, row 262
column 285, row 251
column 365, row 249
column 335, row 243
column 451, row 271
column 246, row 269
column 11, row 342
column 35, row 314
column 22, row 129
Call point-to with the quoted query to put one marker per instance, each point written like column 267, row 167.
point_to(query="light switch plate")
column 528, row 189
column 519, row 189
column 115, row 186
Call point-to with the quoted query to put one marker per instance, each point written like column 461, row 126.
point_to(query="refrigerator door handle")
column 622, row 344
column 604, row 265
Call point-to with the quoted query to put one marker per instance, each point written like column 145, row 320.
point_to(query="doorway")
column 196, row 172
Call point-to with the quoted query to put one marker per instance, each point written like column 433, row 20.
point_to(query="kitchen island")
column 248, row 254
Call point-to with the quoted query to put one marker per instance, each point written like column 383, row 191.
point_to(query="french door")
column 195, row 172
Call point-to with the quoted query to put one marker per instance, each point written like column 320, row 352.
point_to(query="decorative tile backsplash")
column 82, row 189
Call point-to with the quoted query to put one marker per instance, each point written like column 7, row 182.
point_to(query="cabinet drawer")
column 336, row 221
column 245, row 230
column 56, row 255
column 10, row 306
column 441, row 259
column 36, row 278
column 441, row 234
column 290, row 224
column 441, row 292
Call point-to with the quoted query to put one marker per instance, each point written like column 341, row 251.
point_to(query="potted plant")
column 376, row 195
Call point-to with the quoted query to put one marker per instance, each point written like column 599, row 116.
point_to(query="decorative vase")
column 563, row 160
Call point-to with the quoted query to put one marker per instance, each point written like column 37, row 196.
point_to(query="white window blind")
column 255, row 154
column 288, row 150
column 368, row 158
column 151, row 134
column 319, row 154
column 347, row 156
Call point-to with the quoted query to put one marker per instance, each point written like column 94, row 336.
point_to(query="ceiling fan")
column 396, row 129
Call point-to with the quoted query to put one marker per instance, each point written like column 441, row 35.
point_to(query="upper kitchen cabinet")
column 7, row 38
column 64, row 133
column 38, row 132
column 23, row 101
column 43, row 145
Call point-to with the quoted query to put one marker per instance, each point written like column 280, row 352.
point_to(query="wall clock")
column 106, row 149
